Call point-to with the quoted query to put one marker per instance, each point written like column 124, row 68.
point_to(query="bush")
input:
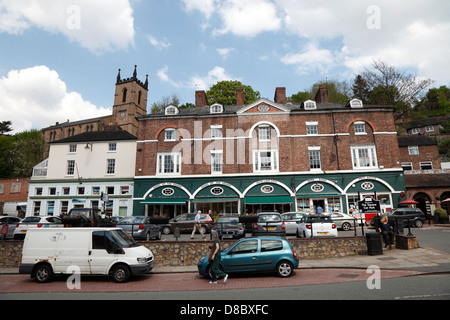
column 441, row 212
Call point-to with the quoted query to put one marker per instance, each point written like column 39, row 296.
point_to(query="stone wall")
column 187, row 253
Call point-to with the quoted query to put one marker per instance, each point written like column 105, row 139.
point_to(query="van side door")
column 71, row 250
column 101, row 255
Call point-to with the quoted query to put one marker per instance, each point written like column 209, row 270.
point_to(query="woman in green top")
column 214, row 257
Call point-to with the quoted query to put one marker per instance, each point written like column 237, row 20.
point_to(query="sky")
column 59, row 58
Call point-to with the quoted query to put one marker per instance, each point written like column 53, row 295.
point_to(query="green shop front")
column 250, row 194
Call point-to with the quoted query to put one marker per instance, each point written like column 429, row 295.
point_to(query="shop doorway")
column 319, row 205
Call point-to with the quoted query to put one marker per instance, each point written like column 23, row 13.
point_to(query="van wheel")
column 121, row 274
column 43, row 273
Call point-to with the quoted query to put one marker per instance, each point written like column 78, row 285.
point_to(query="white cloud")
column 408, row 35
column 163, row 75
column 224, row 52
column 159, row 44
column 214, row 75
column 310, row 59
column 247, row 17
column 99, row 26
column 36, row 97
column 206, row 7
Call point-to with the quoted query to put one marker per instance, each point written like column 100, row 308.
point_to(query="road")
column 335, row 284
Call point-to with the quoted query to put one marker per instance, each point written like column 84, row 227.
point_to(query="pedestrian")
column 319, row 209
column 198, row 225
column 386, row 231
column 214, row 259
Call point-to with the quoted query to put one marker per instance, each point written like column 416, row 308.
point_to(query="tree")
column 361, row 89
column 338, row 92
column 390, row 86
column 5, row 126
column 224, row 92
column 165, row 101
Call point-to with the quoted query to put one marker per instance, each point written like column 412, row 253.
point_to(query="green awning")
column 165, row 201
column 266, row 199
column 216, row 199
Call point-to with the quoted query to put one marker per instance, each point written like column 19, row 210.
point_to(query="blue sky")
column 59, row 59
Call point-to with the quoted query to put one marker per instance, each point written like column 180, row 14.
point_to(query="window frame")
column 160, row 165
column 357, row 158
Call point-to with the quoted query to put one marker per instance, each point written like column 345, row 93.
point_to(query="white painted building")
column 80, row 169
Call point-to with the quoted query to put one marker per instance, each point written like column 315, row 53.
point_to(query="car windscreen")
column 31, row 219
column 318, row 219
column 129, row 220
column 228, row 220
column 269, row 218
column 123, row 238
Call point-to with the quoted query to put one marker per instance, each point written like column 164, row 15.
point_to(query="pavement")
column 393, row 263
column 422, row 259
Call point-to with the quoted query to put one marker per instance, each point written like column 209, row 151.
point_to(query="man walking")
column 198, row 225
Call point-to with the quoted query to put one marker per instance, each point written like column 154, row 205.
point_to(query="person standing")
column 198, row 225
column 319, row 209
column 214, row 258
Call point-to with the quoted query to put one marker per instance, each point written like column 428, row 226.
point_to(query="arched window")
column 216, row 108
column 171, row 110
column 124, row 95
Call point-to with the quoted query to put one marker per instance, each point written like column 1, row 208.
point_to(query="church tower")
column 130, row 101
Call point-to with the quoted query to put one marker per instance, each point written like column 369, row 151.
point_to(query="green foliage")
column 224, row 92
column 338, row 92
column 441, row 212
column 20, row 153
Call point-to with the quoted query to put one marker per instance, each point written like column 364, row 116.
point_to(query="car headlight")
column 143, row 260
column 202, row 259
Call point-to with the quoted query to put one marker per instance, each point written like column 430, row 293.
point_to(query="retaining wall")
column 187, row 253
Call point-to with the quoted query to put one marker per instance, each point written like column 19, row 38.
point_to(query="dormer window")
column 171, row 110
column 356, row 103
column 216, row 108
column 310, row 105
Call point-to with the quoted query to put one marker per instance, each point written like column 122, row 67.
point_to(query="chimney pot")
column 240, row 97
column 322, row 94
column 200, row 98
column 280, row 95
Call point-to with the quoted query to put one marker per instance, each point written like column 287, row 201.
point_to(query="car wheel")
column 43, row 273
column 418, row 223
column 120, row 274
column 209, row 270
column 158, row 237
column 285, row 269
column 147, row 236
column 166, row 230
column 346, row 226
column 204, row 230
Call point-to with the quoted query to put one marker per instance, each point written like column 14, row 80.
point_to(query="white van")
column 94, row 251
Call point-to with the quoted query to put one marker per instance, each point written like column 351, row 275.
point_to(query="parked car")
column 10, row 223
column 229, row 227
column 140, row 228
column 85, row 217
column 291, row 221
column 415, row 216
column 36, row 222
column 317, row 225
column 269, row 223
column 343, row 221
column 266, row 254
column 185, row 222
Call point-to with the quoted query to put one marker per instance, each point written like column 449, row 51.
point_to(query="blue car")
column 267, row 254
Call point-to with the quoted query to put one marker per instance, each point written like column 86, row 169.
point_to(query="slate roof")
column 427, row 180
column 115, row 135
column 233, row 109
column 415, row 140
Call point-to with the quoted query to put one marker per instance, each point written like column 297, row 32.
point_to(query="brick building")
column 266, row 156
column 130, row 101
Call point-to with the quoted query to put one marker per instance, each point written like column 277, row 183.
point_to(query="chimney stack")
column 280, row 95
column 240, row 97
column 200, row 98
column 322, row 94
